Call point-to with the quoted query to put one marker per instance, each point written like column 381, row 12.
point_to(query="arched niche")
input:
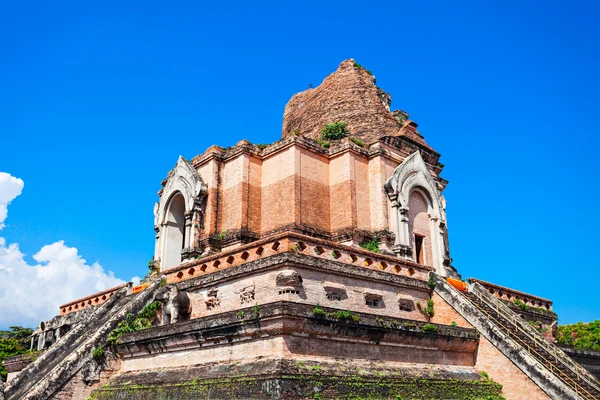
column 179, row 215
column 174, row 231
column 418, row 214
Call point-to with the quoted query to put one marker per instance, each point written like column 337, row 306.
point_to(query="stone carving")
column 335, row 291
column 247, row 294
column 213, row 300
column 91, row 371
column 373, row 300
column 288, row 278
column 406, row 305
column 334, row 295
column 176, row 304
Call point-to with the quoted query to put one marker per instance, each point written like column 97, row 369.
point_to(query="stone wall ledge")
column 289, row 318
column 301, row 245
column 17, row 363
column 91, row 300
column 504, row 293
column 545, row 316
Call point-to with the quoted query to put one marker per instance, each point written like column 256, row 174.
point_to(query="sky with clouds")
column 31, row 292
column 98, row 100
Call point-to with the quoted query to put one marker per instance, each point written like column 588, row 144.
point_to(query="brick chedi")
column 305, row 269
column 349, row 95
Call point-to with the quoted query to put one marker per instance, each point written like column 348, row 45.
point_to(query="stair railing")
column 523, row 327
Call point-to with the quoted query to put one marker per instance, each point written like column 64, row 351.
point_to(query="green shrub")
column 262, row 146
column 428, row 311
column 318, row 312
column 346, row 316
column 409, row 325
column 358, row 66
column 583, row 336
column 357, row 141
column 372, row 245
column 453, row 323
column 324, row 143
column 222, row 235
column 431, row 282
column 334, row 131
column 98, row 353
column 429, row 328
column 143, row 320
column 256, row 309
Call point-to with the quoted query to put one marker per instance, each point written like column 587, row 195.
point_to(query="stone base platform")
column 286, row 350
column 301, row 379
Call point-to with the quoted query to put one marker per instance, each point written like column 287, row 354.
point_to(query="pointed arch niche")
column 418, row 217
column 178, row 216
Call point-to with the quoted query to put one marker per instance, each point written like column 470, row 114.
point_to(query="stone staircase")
column 499, row 325
column 546, row 353
column 40, row 379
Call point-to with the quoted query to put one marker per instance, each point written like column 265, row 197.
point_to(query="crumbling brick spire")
column 348, row 95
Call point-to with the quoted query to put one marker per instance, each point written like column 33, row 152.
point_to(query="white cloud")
column 10, row 188
column 32, row 293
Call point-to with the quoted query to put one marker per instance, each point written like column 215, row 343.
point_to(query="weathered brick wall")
column 316, row 285
column 516, row 385
column 445, row 314
column 313, row 174
column 342, row 192
column 279, row 190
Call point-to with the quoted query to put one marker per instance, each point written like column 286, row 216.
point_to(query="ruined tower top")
column 348, row 95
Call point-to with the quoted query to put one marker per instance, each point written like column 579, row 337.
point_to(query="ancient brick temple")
column 314, row 267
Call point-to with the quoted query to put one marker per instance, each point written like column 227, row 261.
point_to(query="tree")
column 13, row 342
column 581, row 336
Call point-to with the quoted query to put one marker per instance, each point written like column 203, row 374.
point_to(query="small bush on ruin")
column 318, row 312
column 98, row 353
column 334, row 131
column 372, row 245
column 358, row 66
column 222, row 235
column 256, row 310
column 357, row 142
column 346, row 316
column 429, row 328
column 427, row 311
column 132, row 323
column 324, row 143
column 431, row 282
column 262, row 146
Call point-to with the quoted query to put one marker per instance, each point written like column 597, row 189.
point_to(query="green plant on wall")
column 372, row 245
column 334, row 131
column 430, row 328
column 358, row 66
column 582, row 336
column 132, row 323
column 98, row 353
column 428, row 310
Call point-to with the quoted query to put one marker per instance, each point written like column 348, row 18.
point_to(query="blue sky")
column 97, row 101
